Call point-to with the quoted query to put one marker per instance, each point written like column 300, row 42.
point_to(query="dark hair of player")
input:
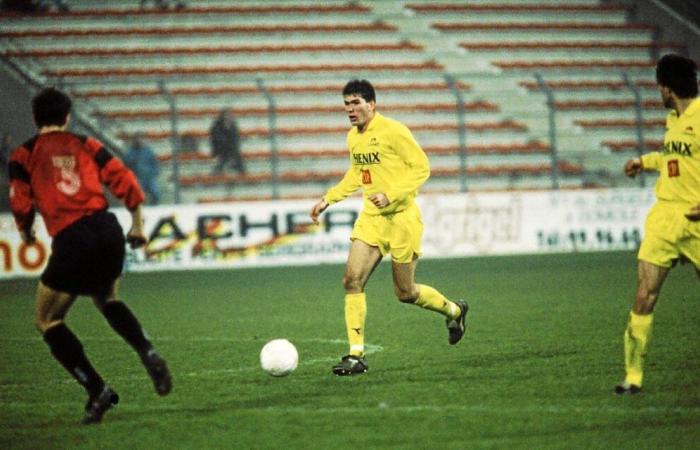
column 51, row 107
column 678, row 74
column 363, row 88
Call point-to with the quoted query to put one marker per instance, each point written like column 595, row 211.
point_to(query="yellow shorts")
column 399, row 233
column 668, row 234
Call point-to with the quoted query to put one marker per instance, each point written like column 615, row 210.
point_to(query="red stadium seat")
column 618, row 123
column 512, row 7
column 474, row 127
column 587, row 84
column 199, row 30
column 100, row 52
column 567, row 45
column 616, row 65
column 565, row 167
column 628, row 145
column 532, row 147
column 194, row 9
column 605, row 104
column 477, row 106
column 107, row 92
column 533, row 26
column 189, row 70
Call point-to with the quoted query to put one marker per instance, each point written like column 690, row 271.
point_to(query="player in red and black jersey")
column 61, row 175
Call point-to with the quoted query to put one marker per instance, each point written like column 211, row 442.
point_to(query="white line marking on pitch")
column 382, row 406
column 369, row 349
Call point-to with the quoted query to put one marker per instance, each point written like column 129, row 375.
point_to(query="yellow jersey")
column 385, row 158
column 679, row 162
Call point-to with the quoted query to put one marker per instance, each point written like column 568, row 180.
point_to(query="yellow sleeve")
column 652, row 161
column 415, row 160
column 345, row 187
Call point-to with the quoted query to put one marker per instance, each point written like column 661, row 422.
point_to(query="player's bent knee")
column 644, row 303
column 102, row 302
column 42, row 325
column 406, row 296
column 352, row 284
column 646, row 297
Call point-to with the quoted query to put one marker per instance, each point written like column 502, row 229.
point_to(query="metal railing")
column 174, row 138
column 553, row 131
column 639, row 121
column 27, row 73
column 272, row 123
column 461, row 130
column 112, row 132
column 551, row 118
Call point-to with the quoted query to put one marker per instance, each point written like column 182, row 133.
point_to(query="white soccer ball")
column 279, row 357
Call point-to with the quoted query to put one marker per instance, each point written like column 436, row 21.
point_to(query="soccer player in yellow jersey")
column 389, row 166
column 672, row 227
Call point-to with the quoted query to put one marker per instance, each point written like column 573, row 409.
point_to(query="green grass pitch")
column 535, row 370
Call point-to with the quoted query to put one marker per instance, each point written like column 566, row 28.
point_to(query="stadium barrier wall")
column 255, row 234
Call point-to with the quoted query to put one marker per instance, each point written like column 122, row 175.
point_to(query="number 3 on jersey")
column 673, row 169
column 69, row 182
column 366, row 176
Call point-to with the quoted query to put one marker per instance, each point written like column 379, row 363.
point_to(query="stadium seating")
column 128, row 67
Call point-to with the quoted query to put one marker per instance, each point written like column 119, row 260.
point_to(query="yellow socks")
column 431, row 299
column 355, row 313
column 636, row 338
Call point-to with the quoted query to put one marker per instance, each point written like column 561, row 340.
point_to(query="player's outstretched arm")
column 136, row 237
column 633, row 167
column 317, row 210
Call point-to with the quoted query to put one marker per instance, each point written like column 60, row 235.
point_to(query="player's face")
column 359, row 111
column 666, row 97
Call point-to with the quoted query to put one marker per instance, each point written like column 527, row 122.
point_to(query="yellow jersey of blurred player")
column 390, row 167
column 672, row 227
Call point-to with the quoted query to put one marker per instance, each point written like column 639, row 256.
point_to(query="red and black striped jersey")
column 61, row 175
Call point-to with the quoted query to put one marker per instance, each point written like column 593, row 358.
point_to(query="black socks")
column 123, row 321
column 68, row 350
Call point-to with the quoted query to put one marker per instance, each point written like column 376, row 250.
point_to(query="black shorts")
column 87, row 256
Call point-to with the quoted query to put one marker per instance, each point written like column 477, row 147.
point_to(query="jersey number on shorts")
column 69, row 183
column 366, row 176
column 673, row 170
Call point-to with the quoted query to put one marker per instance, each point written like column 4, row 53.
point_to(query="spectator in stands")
column 163, row 4
column 32, row 6
column 226, row 142
column 59, row 4
column 141, row 159
column 672, row 227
